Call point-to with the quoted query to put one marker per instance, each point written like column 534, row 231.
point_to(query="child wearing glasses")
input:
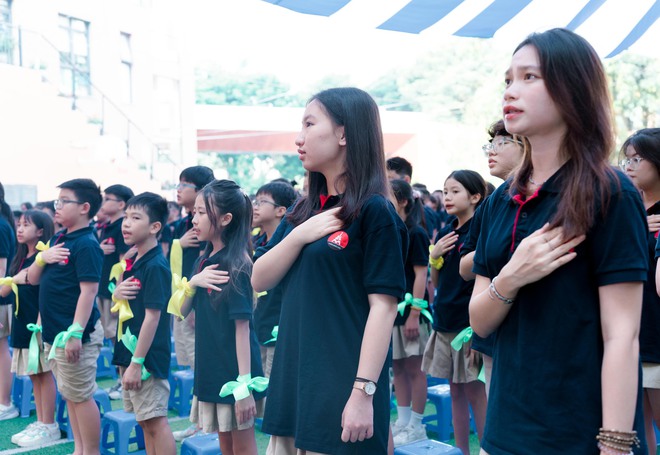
column 184, row 251
column 69, row 273
column 642, row 165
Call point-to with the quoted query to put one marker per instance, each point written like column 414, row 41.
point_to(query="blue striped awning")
column 612, row 26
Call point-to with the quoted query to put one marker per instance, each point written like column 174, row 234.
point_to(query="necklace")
column 531, row 180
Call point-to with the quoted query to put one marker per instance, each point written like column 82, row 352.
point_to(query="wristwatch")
column 368, row 387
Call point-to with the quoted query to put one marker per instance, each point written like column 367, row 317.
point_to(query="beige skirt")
column 402, row 347
column 219, row 417
column 651, row 375
column 442, row 361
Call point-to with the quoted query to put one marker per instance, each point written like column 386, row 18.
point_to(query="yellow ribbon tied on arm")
column 41, row 246
column 9, row 281
column 117, row 270
column 125, row 313
column 176, row 262
column 182, row 290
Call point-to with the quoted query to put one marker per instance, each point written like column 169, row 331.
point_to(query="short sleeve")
column 470, row 244
column 418, row 251
column 157, row 288
column 89, row 261
column 239, row 302
column 383, row 248
column 619, row 249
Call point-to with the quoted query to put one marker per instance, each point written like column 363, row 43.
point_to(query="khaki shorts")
column 108, row 318
column 219, row 417
column 184, row 342
column 5, row 320
column 651, row 375
column 442, row 361
column 284, row 445
column 267, row 355
column 402, row 347
column 150, row 401
column 77, row 381
column 20, row 357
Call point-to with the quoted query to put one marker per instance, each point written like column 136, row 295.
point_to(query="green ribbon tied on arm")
column 414, row 302
column 34, row 350
column 130, row 341
column 463, row 337
column 75, row 330
column 9, row 281
column 274, row 333
column 241, row 387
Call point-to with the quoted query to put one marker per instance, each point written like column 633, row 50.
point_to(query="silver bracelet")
column 505, row 300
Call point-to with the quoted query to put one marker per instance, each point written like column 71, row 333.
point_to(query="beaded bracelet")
column 492, row 290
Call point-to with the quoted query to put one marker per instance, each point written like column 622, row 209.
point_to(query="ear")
column 280, row 211
column 40, row 232
column 84, row 208
column 341, row 136
column 155, row 227
column 226, row 219
column 475, row 198
column 122, row 206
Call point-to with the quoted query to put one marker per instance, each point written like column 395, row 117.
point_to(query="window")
column 126, row 69
column 6, row 39
column 74, row 56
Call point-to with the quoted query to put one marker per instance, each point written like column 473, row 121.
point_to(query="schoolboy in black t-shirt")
column 68, row 274
column 146, row 288
column 113, row 246
column 270, row 205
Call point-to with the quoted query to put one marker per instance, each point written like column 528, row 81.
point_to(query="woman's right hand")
column 538, row 255
column 54, row 254
column 444, row 245
column 318, row 226
column 210, row 278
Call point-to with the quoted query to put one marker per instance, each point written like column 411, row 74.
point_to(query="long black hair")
column 414, row 208
column 364, row 169
column 473, row 182
column 5, row 210
column 42, row 221
column 222, row 197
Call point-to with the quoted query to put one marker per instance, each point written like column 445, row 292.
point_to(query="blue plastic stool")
column 440, row 422
column 21, row 392
column 201, row 445
column 121, row 425
column 104, row 366
column 426, row 447
column 62, row 417
column 431, row 381
column 181, row 382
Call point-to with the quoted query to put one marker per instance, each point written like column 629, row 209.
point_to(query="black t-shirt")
column 483, row 345
column 418, row 254
column 59, row 288
column 452, row 297
column 153, row 271
column 215, row 333
column 325, row 308
column 111, row 231
column 7, row 250
column 190, row 254
column 545, row 394
column 649, row 335
column 28, row 310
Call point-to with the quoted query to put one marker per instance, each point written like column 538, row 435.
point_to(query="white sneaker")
column 410, row 434
column 30, row 428
column 188, row 432
column 8, row 412
column 43, row 435
column 116, row 392
column 397, row 427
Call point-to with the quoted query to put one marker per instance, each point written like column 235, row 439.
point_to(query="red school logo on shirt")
column 338, row 240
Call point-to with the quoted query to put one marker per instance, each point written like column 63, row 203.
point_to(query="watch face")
column 369, row 388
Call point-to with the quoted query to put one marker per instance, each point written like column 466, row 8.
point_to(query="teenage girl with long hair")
column 7, row 251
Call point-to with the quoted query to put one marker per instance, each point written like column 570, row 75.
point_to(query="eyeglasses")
column 632, row 163
column 260, row 202
column 496, row 145
column 183, row 185
column 106, row 199
column 59, row 203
